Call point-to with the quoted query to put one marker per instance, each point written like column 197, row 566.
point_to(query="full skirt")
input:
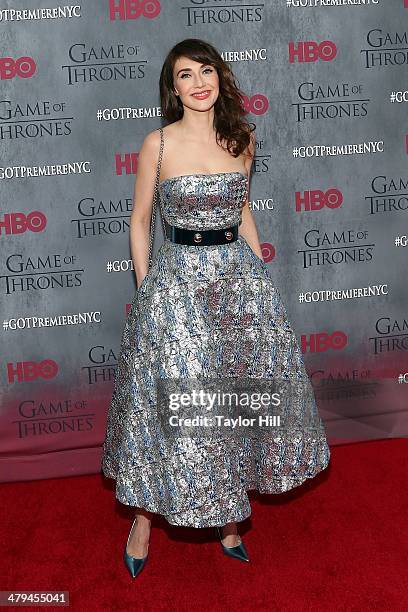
column 206, row 312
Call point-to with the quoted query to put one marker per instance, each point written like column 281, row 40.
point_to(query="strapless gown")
column 205, row 311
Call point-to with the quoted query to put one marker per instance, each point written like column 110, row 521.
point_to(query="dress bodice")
column 203, row 201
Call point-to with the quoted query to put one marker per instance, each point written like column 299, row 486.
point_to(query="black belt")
column 202, row 237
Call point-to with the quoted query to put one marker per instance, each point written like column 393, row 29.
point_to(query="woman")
column 207, row 307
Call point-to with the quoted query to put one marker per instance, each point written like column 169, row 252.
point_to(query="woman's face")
column 196, row 84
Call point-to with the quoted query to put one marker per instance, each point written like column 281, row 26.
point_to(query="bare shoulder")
column 151, row 142
column 149, row 152
column 147, row 158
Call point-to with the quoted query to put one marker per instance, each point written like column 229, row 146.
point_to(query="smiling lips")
column 202, row 95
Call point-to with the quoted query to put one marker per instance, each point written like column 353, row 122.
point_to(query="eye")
column 188, row 74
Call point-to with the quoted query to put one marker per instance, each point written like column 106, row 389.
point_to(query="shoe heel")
column 133, row 564
column 236, row 552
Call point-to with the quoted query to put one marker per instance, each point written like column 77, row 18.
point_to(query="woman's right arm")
column 143, row 204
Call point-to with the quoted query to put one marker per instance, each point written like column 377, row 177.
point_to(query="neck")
column 198, row 124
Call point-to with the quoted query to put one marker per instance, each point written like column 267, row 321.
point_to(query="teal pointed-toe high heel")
column 237, row 552
column 134, row 564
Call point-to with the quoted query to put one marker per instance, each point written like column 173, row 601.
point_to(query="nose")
column 199, row 80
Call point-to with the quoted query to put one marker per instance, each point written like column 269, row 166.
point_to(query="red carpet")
column 339, row 542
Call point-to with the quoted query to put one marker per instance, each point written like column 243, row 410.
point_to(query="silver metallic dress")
column 205, row 311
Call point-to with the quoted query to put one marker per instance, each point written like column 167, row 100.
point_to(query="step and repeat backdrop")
column 325, row 84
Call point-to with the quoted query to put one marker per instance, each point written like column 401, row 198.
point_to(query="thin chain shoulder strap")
column 155, row 197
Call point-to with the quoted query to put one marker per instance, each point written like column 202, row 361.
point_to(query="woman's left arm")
column 247, row 227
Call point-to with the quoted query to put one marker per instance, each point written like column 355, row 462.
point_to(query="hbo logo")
column 27, row 371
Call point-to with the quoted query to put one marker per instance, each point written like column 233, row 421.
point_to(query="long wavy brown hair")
column 230, row 122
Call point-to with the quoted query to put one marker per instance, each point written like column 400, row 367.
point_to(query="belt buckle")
column 197, row 237
column 229, row 235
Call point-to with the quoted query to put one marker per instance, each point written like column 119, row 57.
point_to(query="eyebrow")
column 189, row 69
